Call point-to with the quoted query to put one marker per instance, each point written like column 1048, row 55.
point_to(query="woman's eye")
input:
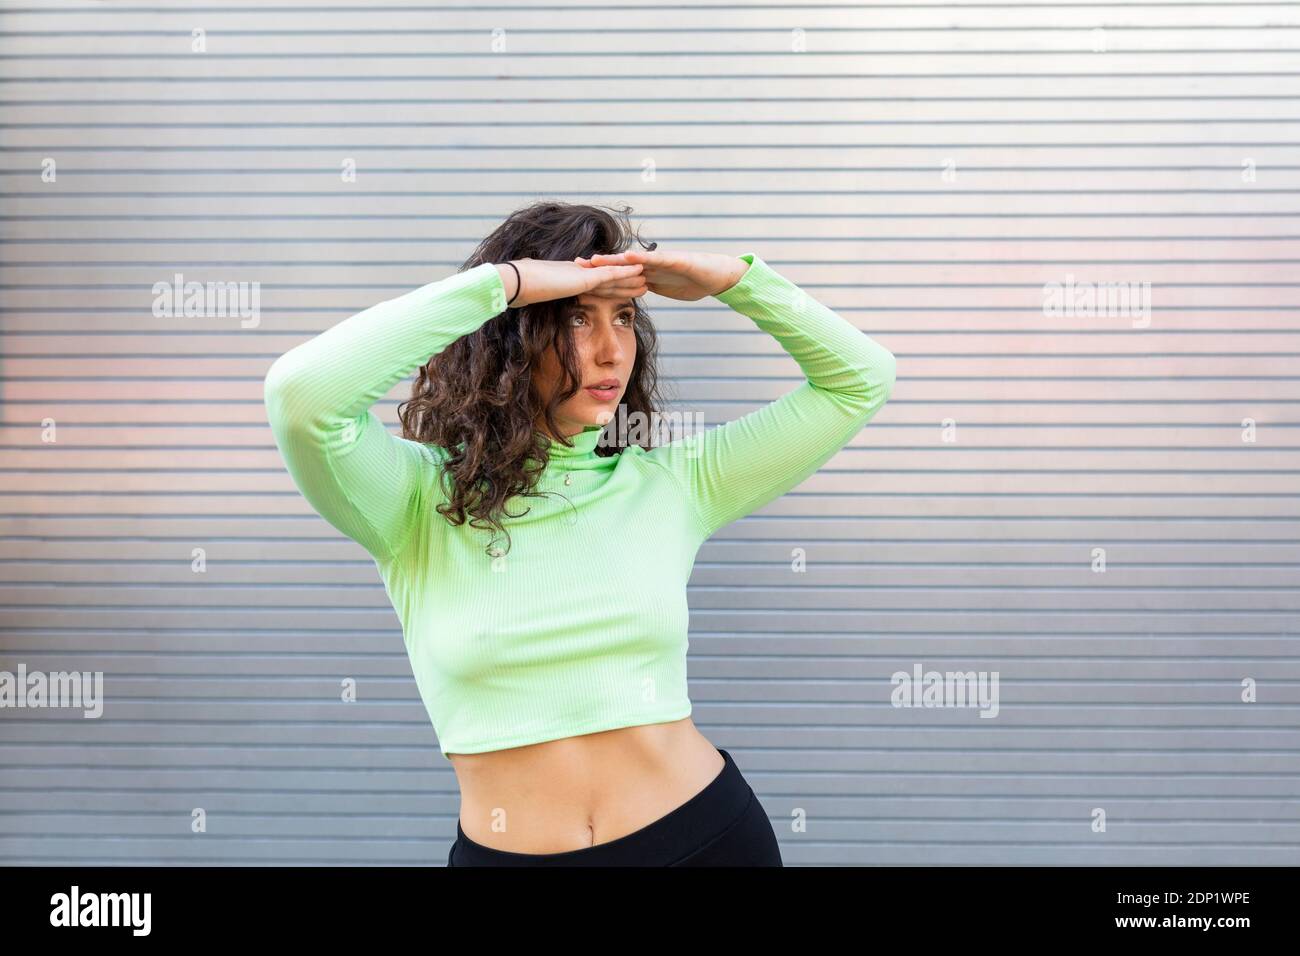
column 627, row 318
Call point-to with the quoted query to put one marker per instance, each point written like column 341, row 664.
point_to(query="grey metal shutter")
column 924, row 169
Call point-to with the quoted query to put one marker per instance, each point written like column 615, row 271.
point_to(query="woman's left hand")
column 678, row 275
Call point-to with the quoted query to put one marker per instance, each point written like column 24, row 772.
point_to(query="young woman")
column 548, row 639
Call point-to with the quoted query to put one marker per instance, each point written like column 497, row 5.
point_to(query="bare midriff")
column 577, row 792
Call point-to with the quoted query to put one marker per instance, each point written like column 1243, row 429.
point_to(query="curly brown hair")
column 475, row 399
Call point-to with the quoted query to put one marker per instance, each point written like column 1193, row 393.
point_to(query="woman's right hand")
column 546, row 279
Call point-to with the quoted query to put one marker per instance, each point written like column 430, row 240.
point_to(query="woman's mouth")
column 606, row 394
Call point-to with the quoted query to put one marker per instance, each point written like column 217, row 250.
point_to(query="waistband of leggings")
column 658, row 843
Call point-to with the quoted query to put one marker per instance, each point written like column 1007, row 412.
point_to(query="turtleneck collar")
column 584, row 446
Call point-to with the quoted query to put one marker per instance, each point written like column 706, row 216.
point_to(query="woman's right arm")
column 362, row 479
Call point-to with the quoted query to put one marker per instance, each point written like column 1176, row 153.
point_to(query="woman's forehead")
column 589, row 301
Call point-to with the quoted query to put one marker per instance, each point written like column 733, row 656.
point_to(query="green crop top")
column 581, row 626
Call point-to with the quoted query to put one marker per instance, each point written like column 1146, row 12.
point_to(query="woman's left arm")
column 735, row 468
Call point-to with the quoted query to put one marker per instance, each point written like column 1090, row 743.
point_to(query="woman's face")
column 606, row 345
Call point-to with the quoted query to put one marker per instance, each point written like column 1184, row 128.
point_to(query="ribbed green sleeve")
column 365, row 481
column 730, row 470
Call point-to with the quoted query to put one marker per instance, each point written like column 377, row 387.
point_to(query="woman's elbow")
column 281, row 383
column 879, row 374
column 888, row 374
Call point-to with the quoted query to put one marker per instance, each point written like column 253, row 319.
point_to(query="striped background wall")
column 926, row 169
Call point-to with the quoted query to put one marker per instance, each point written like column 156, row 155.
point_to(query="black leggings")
column 722, row 825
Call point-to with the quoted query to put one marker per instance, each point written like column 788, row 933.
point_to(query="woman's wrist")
column 738, row 270
column 510, row 279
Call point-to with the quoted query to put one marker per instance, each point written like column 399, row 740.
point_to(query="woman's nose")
column 608, row 348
